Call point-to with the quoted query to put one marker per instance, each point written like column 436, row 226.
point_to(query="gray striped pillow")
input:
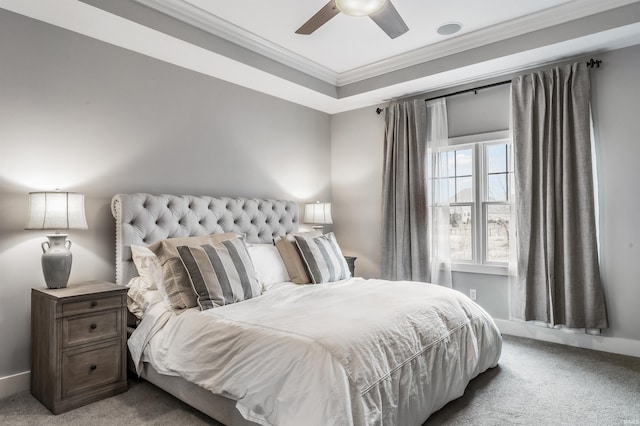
column 323, row 258
column 220, row 273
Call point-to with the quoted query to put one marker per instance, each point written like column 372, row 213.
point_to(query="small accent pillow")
column 220, row 273
column 323, row 258
column 286, row 245
column 176, row 283
column 140, row 297
column 268, row 264
column 148, row 267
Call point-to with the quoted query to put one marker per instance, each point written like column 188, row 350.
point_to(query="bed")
column 347, row 351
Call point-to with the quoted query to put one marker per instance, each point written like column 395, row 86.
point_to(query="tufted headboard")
column 142, row 219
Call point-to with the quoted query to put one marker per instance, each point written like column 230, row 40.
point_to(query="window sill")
column 480, row 269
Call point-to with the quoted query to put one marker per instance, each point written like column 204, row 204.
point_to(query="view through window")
column 478, row 191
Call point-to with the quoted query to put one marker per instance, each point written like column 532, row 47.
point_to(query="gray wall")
column 84, row 116
column 357, row 141
column 615, row 95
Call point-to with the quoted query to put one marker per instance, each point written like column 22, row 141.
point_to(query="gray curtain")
column 558, row 274
column 404, row 197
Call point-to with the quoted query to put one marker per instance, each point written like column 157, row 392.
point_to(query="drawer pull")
column 93, row 367
column 93, row 326
column 94, row 303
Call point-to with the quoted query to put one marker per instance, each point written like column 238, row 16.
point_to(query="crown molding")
column 197, row 17
column 533, row 22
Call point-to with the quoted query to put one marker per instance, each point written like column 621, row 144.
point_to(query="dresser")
column 78, row 344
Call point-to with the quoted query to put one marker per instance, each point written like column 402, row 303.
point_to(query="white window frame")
column 477, row 142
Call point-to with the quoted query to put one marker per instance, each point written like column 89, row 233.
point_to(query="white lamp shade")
column 359, row 7
column 56, row 211
column 319, row 213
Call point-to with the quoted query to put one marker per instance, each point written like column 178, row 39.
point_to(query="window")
column 478, row 191
column 461, row 203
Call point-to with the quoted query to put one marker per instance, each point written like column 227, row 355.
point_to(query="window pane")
column 451, row 163
column 441, row 190
column 497, row 233
column 461, row 233
column 464, row 162
column 464, row 191
column 497, row 187
column 451, row 192
column 497, row 158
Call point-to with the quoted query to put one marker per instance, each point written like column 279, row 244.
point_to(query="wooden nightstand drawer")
column 90, row 305
column 90, row 367
column 91, row 328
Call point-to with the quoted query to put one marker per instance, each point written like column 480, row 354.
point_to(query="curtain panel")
column 414, row 242
column 438, row 220
column 558, row 276
column 404, row 196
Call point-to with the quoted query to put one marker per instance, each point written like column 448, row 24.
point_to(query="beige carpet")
column 536, row 383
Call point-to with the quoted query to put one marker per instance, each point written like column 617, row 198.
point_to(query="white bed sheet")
column 356, row 352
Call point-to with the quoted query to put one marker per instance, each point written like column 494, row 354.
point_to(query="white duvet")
column 356, row 352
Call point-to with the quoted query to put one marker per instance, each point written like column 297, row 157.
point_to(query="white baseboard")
column 15, row 383
column 578, row 339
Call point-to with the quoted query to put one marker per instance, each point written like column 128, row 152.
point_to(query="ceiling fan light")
column 359, row 7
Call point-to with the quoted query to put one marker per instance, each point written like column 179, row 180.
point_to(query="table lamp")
column 318, row 214
column 56, row 211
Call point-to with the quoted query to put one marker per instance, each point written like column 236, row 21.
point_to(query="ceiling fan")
column 382, row 12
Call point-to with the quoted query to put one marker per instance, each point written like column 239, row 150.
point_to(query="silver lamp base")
column 56, row 260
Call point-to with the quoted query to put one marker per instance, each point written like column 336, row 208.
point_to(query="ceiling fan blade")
column 319, row 19
column 389, row 20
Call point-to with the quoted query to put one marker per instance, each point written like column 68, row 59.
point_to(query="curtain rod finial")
column 591, row 63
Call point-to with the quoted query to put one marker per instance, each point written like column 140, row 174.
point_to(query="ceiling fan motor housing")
column 359, row 7
column 382, row 12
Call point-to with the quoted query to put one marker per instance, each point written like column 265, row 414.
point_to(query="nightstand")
column 351, row 262
column 78, row 344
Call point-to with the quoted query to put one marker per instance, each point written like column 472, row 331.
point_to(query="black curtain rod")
column 591, row 63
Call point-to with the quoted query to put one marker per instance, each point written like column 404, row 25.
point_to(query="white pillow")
column 148, row 266
column 140, row 297
column 268, row 264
